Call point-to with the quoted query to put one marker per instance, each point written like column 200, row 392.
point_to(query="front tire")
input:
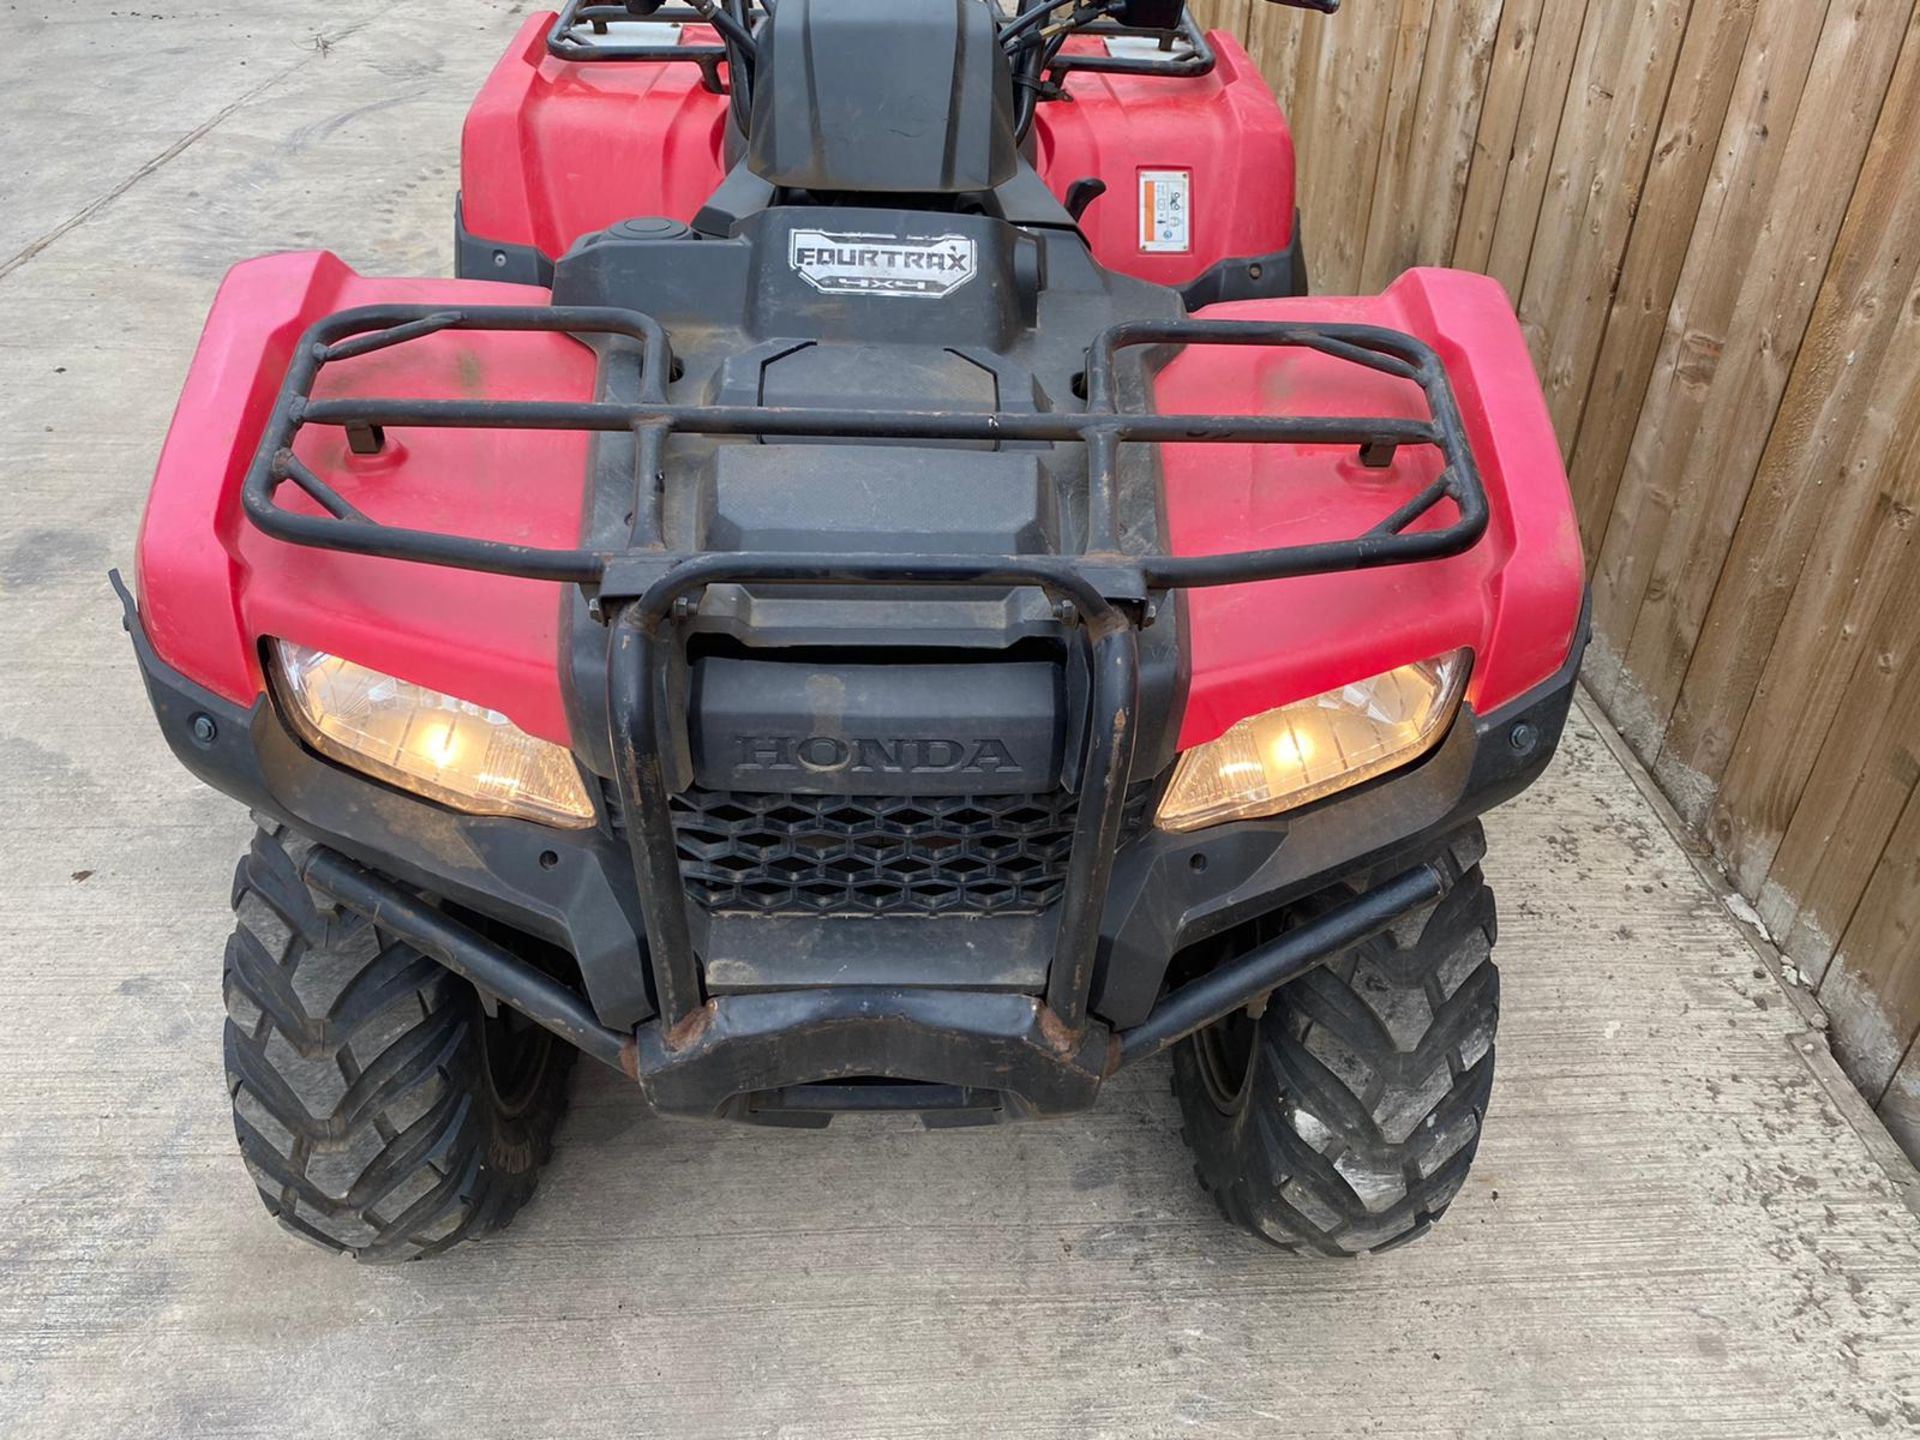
column 1343, row 1121
column 380, row 1111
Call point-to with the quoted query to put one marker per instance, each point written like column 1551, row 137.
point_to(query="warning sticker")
column 1166, row 221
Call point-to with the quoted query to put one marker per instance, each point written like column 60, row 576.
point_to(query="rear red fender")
column 1224, row 132
column 556, row 149
column 211, row 586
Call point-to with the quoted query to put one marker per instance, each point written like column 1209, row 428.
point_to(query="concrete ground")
column 1674, row 1229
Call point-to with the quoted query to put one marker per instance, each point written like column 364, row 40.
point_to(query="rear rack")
column 1194, row 59
column 583, row 33
column 638, row 589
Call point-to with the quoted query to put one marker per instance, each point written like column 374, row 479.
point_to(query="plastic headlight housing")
column 1313, row 748
column 461, row 755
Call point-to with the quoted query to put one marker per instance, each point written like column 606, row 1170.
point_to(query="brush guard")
column 699, row 1054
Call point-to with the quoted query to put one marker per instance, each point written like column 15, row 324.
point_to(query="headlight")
column 1313, row 748
column 432, row 744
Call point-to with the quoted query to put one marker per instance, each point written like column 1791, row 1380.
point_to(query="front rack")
column 639, row 588
column 1103, row 427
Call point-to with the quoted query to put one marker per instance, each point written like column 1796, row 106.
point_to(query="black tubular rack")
column 1184, row 53
column 1102, row 591
column 582, row 33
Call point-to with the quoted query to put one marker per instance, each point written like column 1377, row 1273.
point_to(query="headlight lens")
column 1313, row 748
column 432, row 744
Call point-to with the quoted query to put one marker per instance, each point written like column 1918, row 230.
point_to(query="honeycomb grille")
column 873, row 855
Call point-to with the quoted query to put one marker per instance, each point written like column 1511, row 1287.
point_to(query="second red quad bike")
column 876, row 589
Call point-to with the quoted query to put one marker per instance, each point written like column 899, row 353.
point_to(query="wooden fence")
column 1708, row 215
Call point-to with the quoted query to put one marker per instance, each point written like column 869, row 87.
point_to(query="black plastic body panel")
column 875, row 498
column 753, row 1044
column 1281, row 275
column 1173, row 891
column 985, row 952
column 477, row 258
column 746, row 322
column 572, row 888
column 1160, row 901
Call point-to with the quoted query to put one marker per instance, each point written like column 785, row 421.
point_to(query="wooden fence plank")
column 1795, row 711
column 1229, row 15
column 1543, row 108
column 1875, row 1005
column 1341, row 91
column 1836, row 484
column 1493, row 144
column 1740, row 201
column 1856, row 791
column 1816, row 694
column 1712, row 59
column 1422, row 177
column 1818, row 175
column 1273, row 38
column 1285, row 44
column 1326, row 131
column 1397, row 124
column 1614, row 100
column 1899, row 1107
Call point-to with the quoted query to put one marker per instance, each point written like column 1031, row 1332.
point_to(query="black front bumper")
column 1387, row 845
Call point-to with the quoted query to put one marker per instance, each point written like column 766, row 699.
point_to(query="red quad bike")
column 926, row 615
